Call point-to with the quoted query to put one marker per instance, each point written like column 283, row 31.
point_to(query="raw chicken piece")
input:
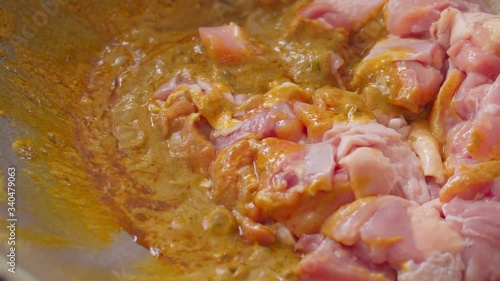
column 423, row 51
column 404, row 177
column 439, row 267
column 480, row 227
column 468, row 58
column 416, row 240
column 327, row 14
column 442, row 117
column 270, row 115
column 485, row 139
column 428, row 150
column 201, row 96
column 413, row 18
column 370, row 172
column 276, row 179
column 328, row 260
column 467, row 109
column 277, row 121
column 473, row 182
column 474, row 136
column 350, row 15
column 187, row 141
column 186, row 132
column 480, row 29
column 227, row 43
column 330, row 105
column 166, row 89
column 299, row 189
column 405, row 72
